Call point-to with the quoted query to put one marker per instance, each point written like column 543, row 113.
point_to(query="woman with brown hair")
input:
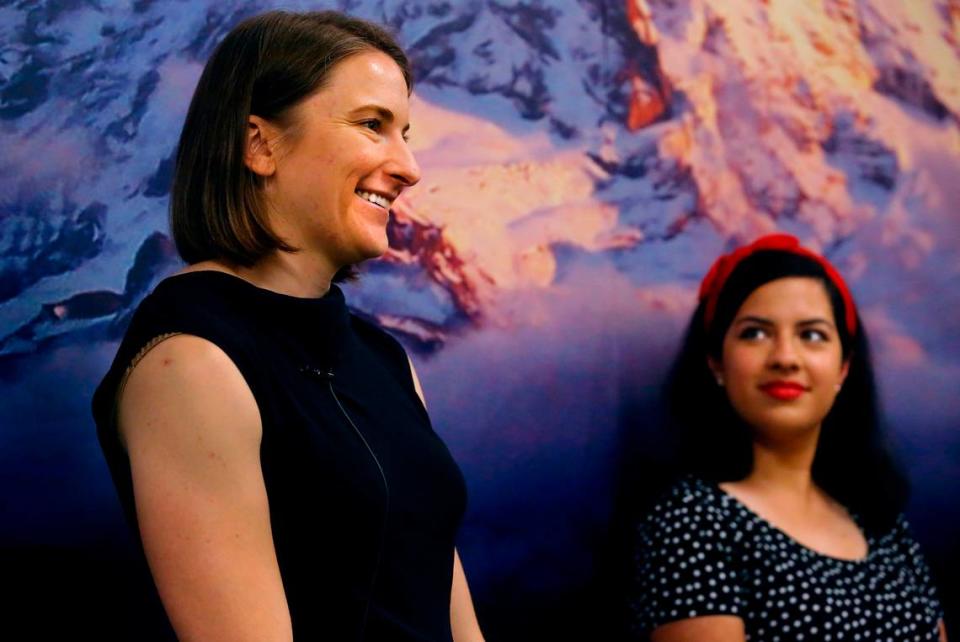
column 272, row 449
column 785, row 521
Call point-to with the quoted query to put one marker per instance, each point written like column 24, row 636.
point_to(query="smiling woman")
column 331, row 176
column 782, row 325
column 785, row 521
column 272, row 450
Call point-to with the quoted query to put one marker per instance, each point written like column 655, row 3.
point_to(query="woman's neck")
column 293, row 273
column 785, row 466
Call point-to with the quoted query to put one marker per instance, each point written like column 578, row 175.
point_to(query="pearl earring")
column 720, row 381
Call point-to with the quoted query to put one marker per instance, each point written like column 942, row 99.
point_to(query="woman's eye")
column 752, row 333
column 373, row 124
column 814, row 335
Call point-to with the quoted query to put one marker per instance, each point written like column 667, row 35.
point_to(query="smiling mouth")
column 783, row 390
column 376, row 199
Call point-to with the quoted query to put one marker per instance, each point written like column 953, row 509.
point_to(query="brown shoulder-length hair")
column 265, row 66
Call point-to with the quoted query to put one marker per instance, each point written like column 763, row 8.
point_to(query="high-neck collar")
column 319, row 324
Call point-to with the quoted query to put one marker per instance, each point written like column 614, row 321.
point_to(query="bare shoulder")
column 709, row 628
column 185, row 387
column 739, row 490
column 192, row 431
column 416, row 382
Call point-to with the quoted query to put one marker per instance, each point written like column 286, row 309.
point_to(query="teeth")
column 376, row 199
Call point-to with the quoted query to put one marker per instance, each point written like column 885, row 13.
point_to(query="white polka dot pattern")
column 701, row 552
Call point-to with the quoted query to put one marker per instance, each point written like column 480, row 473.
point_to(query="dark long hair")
column 265, row 66
column 710, row 440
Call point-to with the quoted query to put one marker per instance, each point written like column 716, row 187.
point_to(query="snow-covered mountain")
column 645, row 134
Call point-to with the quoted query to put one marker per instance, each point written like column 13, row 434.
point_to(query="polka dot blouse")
column 702, row 552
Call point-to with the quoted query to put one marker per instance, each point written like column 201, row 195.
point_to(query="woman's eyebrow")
column 768, row 322
column 816, row 321
column 382, row 112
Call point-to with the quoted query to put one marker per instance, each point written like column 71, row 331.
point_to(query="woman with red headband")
column 785, row 522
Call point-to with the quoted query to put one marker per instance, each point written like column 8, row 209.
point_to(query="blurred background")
column 584, row 162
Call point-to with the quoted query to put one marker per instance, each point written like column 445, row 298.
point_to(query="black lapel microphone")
column 326, row 374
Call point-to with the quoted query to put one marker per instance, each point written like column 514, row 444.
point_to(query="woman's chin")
column 373, row 247
column 776, row 429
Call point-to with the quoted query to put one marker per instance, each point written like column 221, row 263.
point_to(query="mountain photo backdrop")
column 584, row 161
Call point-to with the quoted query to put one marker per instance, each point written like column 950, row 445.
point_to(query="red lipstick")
column 783, row 390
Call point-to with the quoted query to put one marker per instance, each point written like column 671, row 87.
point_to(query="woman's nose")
column 403, row 166
column 783, row 354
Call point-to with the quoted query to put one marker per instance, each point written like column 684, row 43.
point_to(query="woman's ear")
column 717, row 369
column 845, row 368
column 258, row 155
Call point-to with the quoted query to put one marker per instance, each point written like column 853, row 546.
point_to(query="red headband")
column 723, row 267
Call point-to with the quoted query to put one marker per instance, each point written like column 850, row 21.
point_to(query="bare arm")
column 192, row 431
column 463, row 617
column 709, row 628
column 943, row 631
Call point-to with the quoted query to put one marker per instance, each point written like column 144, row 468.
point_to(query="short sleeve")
column 909, row 547
column 683, row 565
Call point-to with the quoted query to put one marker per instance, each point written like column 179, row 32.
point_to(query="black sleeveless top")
column 365, row 499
